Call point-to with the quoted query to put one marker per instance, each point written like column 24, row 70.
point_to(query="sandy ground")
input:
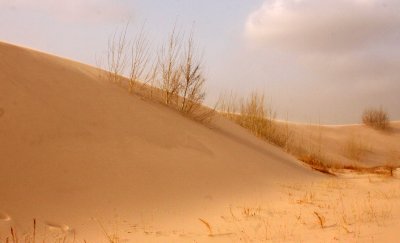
column 89, row 161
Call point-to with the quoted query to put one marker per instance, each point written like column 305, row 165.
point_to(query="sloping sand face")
column 76, row 148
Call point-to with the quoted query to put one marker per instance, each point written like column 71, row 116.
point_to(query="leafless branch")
column 168, row 60
column 116, row 54
column 192, row 91
column 140, row 58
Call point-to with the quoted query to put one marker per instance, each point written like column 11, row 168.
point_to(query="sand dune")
column 76, row 147
column 352, row 145
column 79, row 153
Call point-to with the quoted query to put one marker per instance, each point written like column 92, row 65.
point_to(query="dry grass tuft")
column 50, row 233
column 355, row 149
column 318, row 162
column 253, row 114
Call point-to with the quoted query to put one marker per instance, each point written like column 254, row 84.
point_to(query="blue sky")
column 315, row 60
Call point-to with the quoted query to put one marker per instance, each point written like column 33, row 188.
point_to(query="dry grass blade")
column 109, row 237
column 14, row 236
column 210, row 233
column 321, row 219
column 34, row 230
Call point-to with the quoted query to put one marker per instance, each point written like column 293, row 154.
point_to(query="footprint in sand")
column 57, row 227
column 4, row 217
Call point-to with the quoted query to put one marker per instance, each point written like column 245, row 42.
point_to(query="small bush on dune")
column 376, row 118
column 182, row 74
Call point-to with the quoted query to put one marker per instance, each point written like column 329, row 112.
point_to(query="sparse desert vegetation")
column 305, row 142
column 312, row 213
column 174, row 75
column 335, row 209
column 255, row 115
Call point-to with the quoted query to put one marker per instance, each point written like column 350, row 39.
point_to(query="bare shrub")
column 192, row 87
column 149, row 83
column 100, row 68
column 182, row 80
column 169, row 66
column 174, row 74
column 117, row 55
column 376, row 118
column 140, row 58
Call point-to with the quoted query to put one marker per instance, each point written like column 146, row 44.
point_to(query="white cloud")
column 73, row 10
column 324, row 26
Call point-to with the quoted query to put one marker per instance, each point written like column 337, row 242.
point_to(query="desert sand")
column 89, row 161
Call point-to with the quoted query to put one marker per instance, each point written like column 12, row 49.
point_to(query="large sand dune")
column 75, row 147
column 80, row 153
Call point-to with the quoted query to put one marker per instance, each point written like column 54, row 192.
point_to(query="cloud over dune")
column 347, row 51
column 340, row 39
column 324, row 26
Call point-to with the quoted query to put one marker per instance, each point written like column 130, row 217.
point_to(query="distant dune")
column 86, row 158
column 353, row 145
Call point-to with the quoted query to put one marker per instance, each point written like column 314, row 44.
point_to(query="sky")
column 316, row 61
